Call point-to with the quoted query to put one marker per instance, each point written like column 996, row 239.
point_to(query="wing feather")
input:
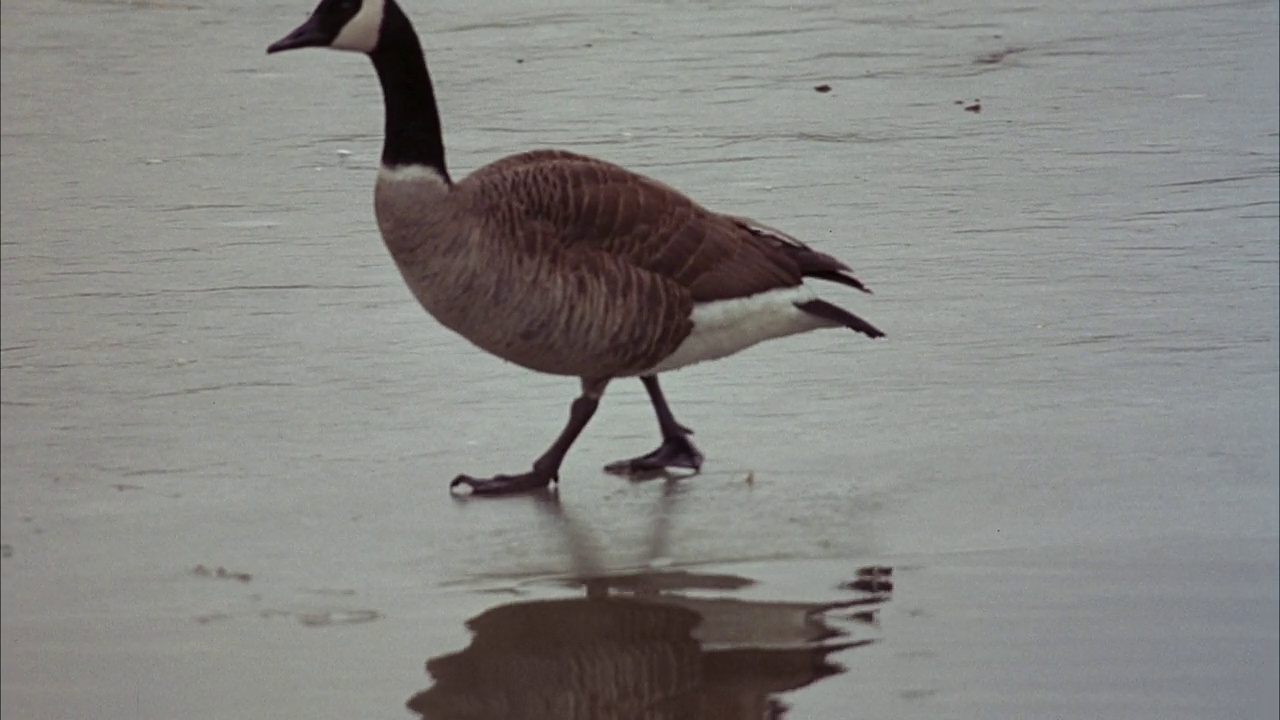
column 594, row 206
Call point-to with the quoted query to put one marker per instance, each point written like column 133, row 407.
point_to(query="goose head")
column 354, row 25
column 380, row 30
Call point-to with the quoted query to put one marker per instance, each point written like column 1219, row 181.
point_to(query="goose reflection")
column 649, row 644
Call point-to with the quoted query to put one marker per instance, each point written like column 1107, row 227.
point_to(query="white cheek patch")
column 361, row 31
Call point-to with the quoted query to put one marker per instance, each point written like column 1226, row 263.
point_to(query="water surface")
column 227, row 430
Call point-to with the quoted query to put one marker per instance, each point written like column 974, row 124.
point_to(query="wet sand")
column 227, row 430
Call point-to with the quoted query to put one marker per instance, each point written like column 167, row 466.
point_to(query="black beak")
column 308, row 34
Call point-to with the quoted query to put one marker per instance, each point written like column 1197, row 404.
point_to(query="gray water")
column 227, row 430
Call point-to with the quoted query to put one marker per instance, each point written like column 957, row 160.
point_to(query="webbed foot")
column 504, row 484
column 674, row 452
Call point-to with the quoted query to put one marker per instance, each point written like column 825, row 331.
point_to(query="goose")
column 566, row 264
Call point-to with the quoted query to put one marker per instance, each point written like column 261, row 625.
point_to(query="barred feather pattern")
column 570, row 265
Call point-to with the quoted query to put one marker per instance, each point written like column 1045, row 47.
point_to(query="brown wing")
column 595, row 206
column 530, row 157
column 624, row 258
column 811, row 262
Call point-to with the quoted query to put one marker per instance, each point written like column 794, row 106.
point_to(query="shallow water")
column 1065, row 450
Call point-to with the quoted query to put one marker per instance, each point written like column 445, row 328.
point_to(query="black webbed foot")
column 675, row 452
column 504, row 484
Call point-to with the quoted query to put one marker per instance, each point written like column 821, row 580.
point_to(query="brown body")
column 569, row 265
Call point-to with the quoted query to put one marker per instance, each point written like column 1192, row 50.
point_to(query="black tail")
column 840, row 276
column 819, row 265
column 810, row 262
column 827, row 311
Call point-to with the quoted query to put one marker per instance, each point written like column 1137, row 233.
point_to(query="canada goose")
column 566, row 264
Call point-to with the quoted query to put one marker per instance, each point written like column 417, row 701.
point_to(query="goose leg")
column 547, row 467
column 676, row 449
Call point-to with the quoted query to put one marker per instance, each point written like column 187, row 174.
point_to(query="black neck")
column 413, row 135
